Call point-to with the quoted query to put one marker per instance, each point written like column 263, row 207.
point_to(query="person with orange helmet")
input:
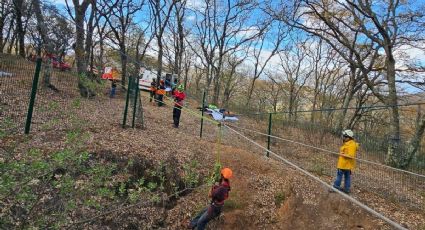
column 152, row 90
column 218, row 194
column 161, row 92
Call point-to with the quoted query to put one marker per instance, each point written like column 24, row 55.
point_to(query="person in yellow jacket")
column 346, row 161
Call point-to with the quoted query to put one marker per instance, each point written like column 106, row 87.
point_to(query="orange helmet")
column 226, row 173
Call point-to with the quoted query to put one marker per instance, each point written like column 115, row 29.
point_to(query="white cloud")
column 62, row 3
column 195, row 4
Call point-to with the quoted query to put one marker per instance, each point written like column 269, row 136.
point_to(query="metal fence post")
column 269, row 133
column 136, row 97
column 202, row 113
column 33, row 94
column 126, row 102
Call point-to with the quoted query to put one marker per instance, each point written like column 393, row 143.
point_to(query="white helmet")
column 348, row 133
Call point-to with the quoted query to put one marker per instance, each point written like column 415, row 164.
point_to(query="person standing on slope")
column 346, row 161
column 161, row 92
column 218, row 194
column 179, row 96
column 152, row 90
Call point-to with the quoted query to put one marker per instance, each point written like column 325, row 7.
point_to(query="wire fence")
column 310, row 140
column 58, row 102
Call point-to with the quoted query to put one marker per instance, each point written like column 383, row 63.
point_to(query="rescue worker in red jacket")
column 161, row 92
column 218, row 194
column 179, row 96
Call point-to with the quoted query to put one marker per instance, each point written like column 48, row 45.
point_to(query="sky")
column 413, row 53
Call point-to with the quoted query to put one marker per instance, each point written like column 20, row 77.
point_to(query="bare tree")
column 261, row 59
column 161, row 11
column 396, row 24
column 6, row 20
column 202, row 42
column 231, row 31
column 80, row 10
column 19, row 9
column 120, row 16
column 220, row 28
column 179, row 35
column 231, row 78
column 296, row 67
column 46, row 41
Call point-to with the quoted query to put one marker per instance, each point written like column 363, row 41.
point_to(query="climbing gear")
column 215, row 177
column 211, row 106
column 348, row 133
column 180, row 88
column 227, row 173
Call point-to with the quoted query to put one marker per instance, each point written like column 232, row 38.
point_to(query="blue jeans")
column 347, row 179
column 112, row 93
column 202, row 219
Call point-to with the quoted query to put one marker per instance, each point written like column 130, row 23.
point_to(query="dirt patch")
column 266, row 195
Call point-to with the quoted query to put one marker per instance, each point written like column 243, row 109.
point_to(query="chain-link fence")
column 312, row 139
column 59, row 103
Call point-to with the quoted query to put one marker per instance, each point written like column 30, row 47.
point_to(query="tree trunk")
column 12, row 40
column 216, row 89
column 123, row 64
column 89, row 40
column 186, row 72
column 2, row 20
column 348, row 96
column 291, row 101
column 250, row 91
column 79, row 44
column 394, row 156
column 101, row 53
column 47, row 66
column 9, row 32
column 415, row 142
column 42, row 28
column 160, row 54
column 19, row 27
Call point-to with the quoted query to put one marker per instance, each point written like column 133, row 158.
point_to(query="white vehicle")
column 148, row 75
column 146, row 79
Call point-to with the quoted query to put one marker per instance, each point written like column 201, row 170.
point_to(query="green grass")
column 279, row 198
column 232, row 204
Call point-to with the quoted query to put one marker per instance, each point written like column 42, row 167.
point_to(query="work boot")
column 331, row 190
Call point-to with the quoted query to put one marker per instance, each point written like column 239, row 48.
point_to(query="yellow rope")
column 186, row 109
column 219, row 136
column 217, row 166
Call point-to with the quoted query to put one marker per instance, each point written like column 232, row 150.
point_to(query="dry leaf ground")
column 266, row 194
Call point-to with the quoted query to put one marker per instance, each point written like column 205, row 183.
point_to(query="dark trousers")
column 152, row 97
column 160, row 100
column 202, row 219
column 176, row 115
column 112, row 93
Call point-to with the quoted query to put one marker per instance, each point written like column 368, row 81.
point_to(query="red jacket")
column 179, row 97
column 220, row 193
